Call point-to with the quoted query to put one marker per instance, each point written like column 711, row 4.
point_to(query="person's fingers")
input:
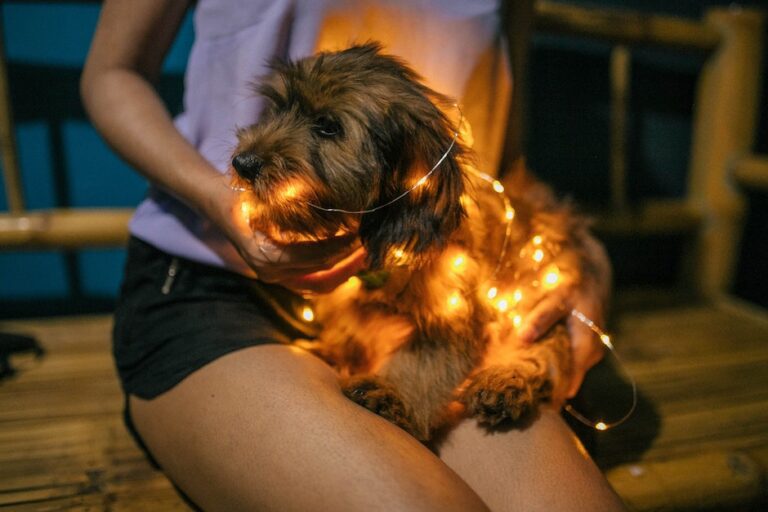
column 587, row 351
column 329, row 251
column 325, row 281
column 275, row 262
column 544, row 314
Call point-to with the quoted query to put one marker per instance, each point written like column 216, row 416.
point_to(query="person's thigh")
column 541, row 467
column 267, row 428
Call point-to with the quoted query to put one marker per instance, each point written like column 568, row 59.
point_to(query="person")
column 237, row 418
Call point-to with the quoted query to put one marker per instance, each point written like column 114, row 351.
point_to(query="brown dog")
column 353, row 142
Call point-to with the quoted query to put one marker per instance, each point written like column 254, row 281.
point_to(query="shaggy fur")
column 353, row 130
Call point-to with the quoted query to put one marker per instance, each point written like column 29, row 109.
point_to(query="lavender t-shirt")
column 454, row 44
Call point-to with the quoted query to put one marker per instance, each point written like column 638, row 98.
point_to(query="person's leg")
column 540, row 467
column 267, row 428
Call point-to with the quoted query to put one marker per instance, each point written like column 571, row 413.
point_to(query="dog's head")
column 353, row 130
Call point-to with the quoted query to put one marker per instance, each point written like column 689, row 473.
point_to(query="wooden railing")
column 725, row 117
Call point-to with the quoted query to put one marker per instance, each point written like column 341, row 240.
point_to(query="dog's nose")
column 247, row 165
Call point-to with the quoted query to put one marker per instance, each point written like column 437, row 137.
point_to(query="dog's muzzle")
column 247, row 165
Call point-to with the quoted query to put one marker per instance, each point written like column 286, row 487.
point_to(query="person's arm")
column 131, row 40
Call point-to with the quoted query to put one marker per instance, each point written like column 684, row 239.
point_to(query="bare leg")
column 540, row 468
column 267, row 428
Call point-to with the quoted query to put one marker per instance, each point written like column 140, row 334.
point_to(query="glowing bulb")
column 509, row 214
column 517, row 321
column 290, row 192
column 537, row 240
column 497, row 186
column 551, row 276
column 421, row 181
column 245, row 209
column 538, row 255
column 492, row 291
column 459, row 262
column 307, row 314
column 502, row 305
column 454, row 300
column 400, row 256
column 606, row 341
column 517, row 295
column 601, row 426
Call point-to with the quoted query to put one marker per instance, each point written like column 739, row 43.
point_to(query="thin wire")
column 606, row 340
column 419, row 183
column 508, row 227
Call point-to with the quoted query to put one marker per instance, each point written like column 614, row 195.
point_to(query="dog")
column 352, row 142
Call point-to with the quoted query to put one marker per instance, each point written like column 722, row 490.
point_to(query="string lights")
column 605, row 340
column 538, row 250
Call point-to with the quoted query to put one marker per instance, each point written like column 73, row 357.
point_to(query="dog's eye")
column 327, row 127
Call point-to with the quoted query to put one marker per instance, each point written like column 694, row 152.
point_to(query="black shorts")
column 174, row 316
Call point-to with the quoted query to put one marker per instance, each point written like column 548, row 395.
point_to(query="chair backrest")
column 724, row 124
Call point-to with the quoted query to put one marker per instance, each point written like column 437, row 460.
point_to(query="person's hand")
column 316, row 267
column 587, row 350
column 588, row 296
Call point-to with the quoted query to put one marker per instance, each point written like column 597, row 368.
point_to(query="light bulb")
column 551, row 276
column 454, row 300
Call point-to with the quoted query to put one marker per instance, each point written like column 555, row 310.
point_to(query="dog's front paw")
column 381, row 398
column 505, row 393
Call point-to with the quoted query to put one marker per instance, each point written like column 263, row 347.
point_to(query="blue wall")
column 64, row 162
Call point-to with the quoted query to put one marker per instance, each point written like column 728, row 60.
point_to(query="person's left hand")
column 588, row 296
column 586, row 348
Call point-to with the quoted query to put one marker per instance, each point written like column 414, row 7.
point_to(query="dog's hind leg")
column 512, row 390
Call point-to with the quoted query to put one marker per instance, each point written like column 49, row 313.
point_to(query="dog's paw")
column 381, row 398
column 505, row 393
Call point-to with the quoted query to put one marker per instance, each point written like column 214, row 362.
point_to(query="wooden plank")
column 624, row 26
column 751, row 172
column 652, row 217
column 65, row 228
column 711, row 481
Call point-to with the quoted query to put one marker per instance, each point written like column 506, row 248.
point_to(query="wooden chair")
column 699, row 437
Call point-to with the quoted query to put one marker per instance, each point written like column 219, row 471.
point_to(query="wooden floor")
column 698, row 440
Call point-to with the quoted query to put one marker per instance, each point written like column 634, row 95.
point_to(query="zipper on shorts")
column 170, row 276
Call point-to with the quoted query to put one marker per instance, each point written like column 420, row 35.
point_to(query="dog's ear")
column 416, row 135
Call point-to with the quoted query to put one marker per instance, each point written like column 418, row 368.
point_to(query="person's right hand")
column 316, row 267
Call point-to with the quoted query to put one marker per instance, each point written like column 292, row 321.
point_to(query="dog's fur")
column 354, row 129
